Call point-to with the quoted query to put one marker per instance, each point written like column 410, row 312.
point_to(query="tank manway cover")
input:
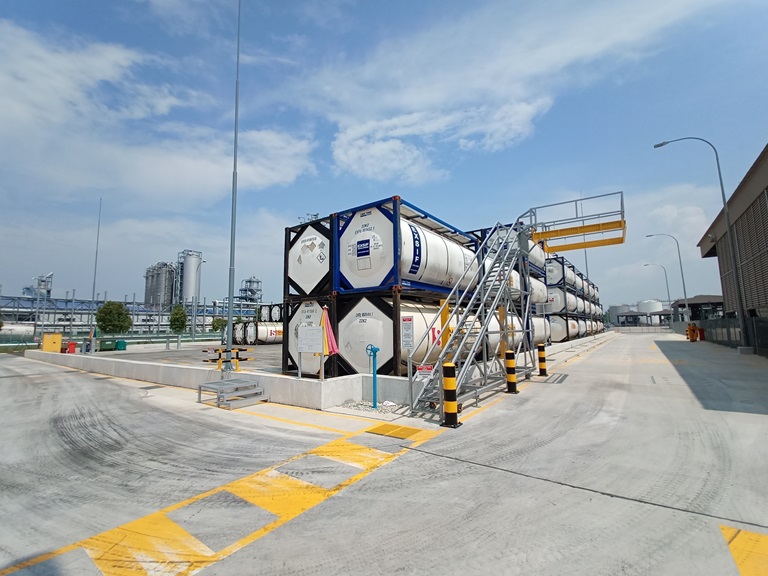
column 308, row 261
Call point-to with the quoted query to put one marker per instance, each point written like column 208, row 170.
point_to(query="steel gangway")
column 477, row 325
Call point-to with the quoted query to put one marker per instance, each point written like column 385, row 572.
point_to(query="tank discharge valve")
column 371, row 350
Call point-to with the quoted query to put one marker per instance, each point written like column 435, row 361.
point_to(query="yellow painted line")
column 295, row 422
column 151, row 545
column 157, row 545
column 336, row 414
column 749, row 550
column 282, row 495
column 481, row 409
column 352, row 454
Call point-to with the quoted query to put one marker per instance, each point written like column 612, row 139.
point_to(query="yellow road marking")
column 749, row 550
column 481, row 409
column 157, row 545
column 295, row 422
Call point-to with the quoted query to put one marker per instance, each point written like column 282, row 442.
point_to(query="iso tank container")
column 393, row 243
column 561, row 301
column 306, row 313
column 269, row 332
column 308, row 260
column 377, row 321
column 563, row 329
column 537, row 258
column 560, row 272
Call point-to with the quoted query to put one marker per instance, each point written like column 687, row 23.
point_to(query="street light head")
column 646, row 264
column 649, row 235
column 660, row 144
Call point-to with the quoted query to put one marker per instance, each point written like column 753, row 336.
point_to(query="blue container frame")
column 341, row 220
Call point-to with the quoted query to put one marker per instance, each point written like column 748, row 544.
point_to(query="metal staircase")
column 478, row 325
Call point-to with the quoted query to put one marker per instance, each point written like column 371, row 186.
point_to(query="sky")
column 473, row 111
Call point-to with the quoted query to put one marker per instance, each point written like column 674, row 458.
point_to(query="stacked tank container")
column 389, row 260
column 534, row 283
column 307, row 287
column 574, row 302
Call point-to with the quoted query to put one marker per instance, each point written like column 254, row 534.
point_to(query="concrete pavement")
column 646, row 454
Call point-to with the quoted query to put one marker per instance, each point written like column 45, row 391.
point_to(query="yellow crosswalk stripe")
column 749, row 550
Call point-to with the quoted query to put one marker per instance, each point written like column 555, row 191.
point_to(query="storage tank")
column 308, row 258
column 558, row 272
column 563, row 329
column 578, row 283
column 308, row 313
column 249, row 336
column 561, row 301
column 538, row 291
column 580, row 305
column 536, row 255
column 648, row 307
column 367, row 255
column 276, row 313
column 264, row 313
column 190, row 271
column 270, row 333
column 582, row 328
column 238, row 333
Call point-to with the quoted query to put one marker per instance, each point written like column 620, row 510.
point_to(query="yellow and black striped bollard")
column 542, row 360
column 509, row 362
column 450, row 404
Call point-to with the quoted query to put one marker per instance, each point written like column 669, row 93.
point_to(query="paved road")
column 646, row 455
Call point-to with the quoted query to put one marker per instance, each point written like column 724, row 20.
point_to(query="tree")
column 178, row 319
column 113, row 318
column 219, row 324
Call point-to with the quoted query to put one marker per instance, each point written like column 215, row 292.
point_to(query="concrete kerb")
column 290, row 390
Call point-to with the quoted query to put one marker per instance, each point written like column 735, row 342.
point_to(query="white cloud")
column 77, row 120
column 478, row 82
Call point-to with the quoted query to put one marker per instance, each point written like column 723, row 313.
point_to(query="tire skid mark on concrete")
column 157, row 545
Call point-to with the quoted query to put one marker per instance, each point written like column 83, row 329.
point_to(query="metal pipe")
column 732, row 242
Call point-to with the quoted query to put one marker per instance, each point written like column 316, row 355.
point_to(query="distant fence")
column 726, row 331
column 641, row 329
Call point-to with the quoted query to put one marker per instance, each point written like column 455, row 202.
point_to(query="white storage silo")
column 648, row 307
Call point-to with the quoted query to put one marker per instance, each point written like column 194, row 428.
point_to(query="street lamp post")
column 666, row 280
column 687, row 315
column 731, row 237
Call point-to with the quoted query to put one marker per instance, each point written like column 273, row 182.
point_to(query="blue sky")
column 473, row 111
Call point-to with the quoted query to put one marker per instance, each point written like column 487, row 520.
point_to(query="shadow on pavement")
column 719, row 377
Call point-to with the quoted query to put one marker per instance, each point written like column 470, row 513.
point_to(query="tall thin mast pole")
column 95, row 265
column 231, row 295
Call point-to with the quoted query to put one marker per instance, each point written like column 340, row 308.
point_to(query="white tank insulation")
column 264, row 312
column 587, row 307
column 366, row 324
column 250, row 333
column 563, row 329
column 578, row 283
column 561, row 301
column 308, row 314
column 271, row 333
column 238, row 333
column 579, row 305
column 536, row 254
column 582, row 327
column 309, row 259
column 559, row 274
column 538, row 291
column 596, row 295
column 367, row 253
column 192, row 262
column 276, row 312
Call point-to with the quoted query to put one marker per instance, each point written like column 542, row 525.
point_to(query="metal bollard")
column 450, row 405
column 542, row 360
column 509, row 362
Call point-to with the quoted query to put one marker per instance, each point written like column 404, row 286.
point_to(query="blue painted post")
column 372, row 351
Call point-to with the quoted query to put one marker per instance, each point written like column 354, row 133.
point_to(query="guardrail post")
column 542, row 360
column 450, row 404
column 509, row 362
